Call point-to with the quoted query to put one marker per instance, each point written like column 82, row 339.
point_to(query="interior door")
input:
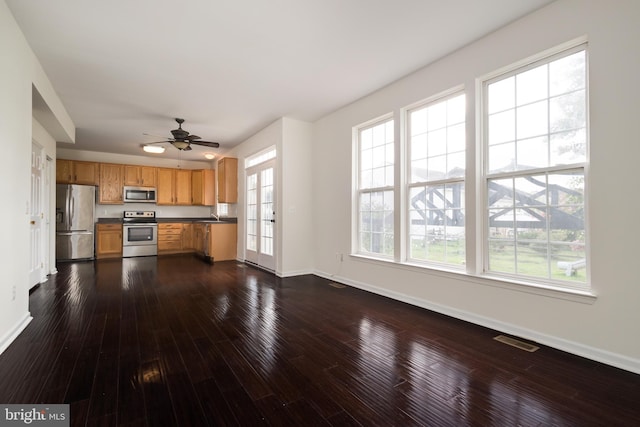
column 261, row 216
column 36, row 217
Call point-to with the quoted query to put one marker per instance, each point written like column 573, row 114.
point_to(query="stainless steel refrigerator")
column 75, row 219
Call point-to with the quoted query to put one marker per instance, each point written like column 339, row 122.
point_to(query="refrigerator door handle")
column 73, row 233
column 67, row 222
column 72, row 206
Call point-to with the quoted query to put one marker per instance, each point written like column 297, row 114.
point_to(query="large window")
column 436, row 140
column 534, row 172
column 376, row 189
column 524, row 188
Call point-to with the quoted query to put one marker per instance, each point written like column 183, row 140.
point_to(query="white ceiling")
column 123, row 68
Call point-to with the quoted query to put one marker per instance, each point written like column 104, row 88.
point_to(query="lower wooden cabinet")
column 223, row 239
column 175, row 238
column 169, row 238
column 108, row 241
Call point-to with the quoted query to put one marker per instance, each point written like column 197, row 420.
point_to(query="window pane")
column 502, row 158
column 567, row 112
column 443, row 143
column 456, row 163
column 436, row 167
column 543, row 215
column 456, row 110
column 437, row 142
column 502, row 95
column 418, row 119
column 502, row 256
column 567, row 74
column 532, row 120
column 456, row 138
column 502, row 127
column 533, row 153
column 419, row 170
column 437, row 116
column 532, row 85
column 568, row 147
column 436, row 232
column 376, row 221
column 376, row 156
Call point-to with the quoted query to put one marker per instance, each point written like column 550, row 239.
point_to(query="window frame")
column 358, row 190
column 484, row 175
column 441, row 97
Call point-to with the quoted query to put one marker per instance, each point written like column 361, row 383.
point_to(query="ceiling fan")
column 182, row 140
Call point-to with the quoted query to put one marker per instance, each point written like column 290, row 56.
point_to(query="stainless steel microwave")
column 139, row 194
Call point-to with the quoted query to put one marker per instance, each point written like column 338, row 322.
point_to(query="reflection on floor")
column 175, row 341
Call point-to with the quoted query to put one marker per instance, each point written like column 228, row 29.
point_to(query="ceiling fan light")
column 156, row 149
column 180, row 145
column 209, row 156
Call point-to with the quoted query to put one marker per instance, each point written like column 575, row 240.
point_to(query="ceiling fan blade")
column 187, row 148
column 192, row 137
column 153, row 135
column 157, row 142
column 206, row 144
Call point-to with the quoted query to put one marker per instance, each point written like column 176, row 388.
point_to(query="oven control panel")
column 139, row 214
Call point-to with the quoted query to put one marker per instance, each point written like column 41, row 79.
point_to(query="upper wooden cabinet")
column 203, row 187
column 228, row 180
column 76, row 172
column 141, row 176
column 111, row 183
column 173, row 186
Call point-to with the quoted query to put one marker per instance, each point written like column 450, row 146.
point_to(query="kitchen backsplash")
column 115, row 211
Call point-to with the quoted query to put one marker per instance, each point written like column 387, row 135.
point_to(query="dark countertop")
column 207, row 219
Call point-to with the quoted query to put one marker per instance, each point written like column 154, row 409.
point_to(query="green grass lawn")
column 531, row 261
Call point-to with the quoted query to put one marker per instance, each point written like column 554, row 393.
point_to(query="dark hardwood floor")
column 175, row 341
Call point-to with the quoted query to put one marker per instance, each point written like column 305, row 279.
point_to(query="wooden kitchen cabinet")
column 198, row 230
column 203, row 187
column 173, row 186
column 108, row 241
column 141, row 176
column 110, row 184
column 228, row 180
column 223, row 241
column 187, row 237
column 174, row 238
column 76, row 172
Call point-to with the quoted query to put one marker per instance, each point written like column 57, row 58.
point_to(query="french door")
column 260, row 228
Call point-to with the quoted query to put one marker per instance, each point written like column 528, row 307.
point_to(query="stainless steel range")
column 140, row 234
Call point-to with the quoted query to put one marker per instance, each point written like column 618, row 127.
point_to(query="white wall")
column 604, row 329
column 296, row 210
column 292, row 139
column 20, row 71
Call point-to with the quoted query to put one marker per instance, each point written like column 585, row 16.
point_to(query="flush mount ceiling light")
column 153, row 149
column 209, row 156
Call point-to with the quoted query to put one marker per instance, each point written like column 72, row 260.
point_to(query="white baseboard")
column 10, row 336
column 597, row 354
column 293, row 273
